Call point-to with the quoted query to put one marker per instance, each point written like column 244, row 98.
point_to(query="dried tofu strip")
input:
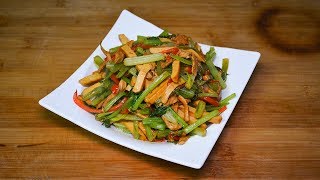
column 171, row 125
column 175, row 71
column 91, row 79
column 156, row 93
column 141, row 127
column 186, row 108
column 128, row 51
column 183, row 139
column 199, row 57
column 143, row 70
column 171, row 87
column 123, row 39
column 130, row 127
column 154, row 50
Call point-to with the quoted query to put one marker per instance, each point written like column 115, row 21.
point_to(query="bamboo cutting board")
column 273, row 132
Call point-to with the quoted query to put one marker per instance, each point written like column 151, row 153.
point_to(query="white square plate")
column 59, row 101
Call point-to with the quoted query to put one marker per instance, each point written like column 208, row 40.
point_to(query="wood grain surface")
column 274, row 132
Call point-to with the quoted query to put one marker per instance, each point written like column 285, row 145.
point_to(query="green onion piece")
column 113, row 100
column 163, row 133
column 190, row 81
column 98, row 60
column 153, row 85
column 183, row 60
column 211, row 94
column 143, row 59
column 200, row 121
column 200, row 109
column 149, row 133
column 227, row 99
column 186, row 93
column 125, row 117
column 122, row 128
column 213, row 70
column 136, row 134
column 199, row 131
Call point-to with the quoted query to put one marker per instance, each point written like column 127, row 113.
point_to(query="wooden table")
column 273, row 132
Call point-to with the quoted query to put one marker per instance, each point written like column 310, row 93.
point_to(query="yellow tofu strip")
column 88, row 80
column 154, row 50
column 143, row 70
column 123, row 39
column 156, row 93
column 128, row 51
column 175, row 71
column 200, row 58
column 172, row 86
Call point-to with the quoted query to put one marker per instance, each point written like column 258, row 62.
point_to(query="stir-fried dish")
column 161, row 88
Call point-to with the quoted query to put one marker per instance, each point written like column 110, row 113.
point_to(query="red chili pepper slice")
column 211, row 101
column 114, row 89
column 188, row 69
column 221, row 110
column 114, row 79
column 118, row 106
column 83, row 106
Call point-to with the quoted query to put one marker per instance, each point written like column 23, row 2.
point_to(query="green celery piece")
column 163, row 133
column 200, row 109
column 211, row 94
column 225, row 65
column 100, row 98
column 140, row 51
column 174, row 117
column 186, row 93
column 190, row 81
column 133, row 71
column 125, row 117
column 115, row 49
column 149, row 133
column 136, row 134
column 164, row 34
column 153, row 85
column 183, row 60
column 213, row 70
column 98, row 60
column 132, row 61
column 200, row 121
column 113, row 100
column 122, row 71
column 122, row 128
column 199, row 131
column 228, row 98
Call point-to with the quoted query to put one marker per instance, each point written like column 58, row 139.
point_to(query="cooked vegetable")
column 160, row 88
column 143, row 59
